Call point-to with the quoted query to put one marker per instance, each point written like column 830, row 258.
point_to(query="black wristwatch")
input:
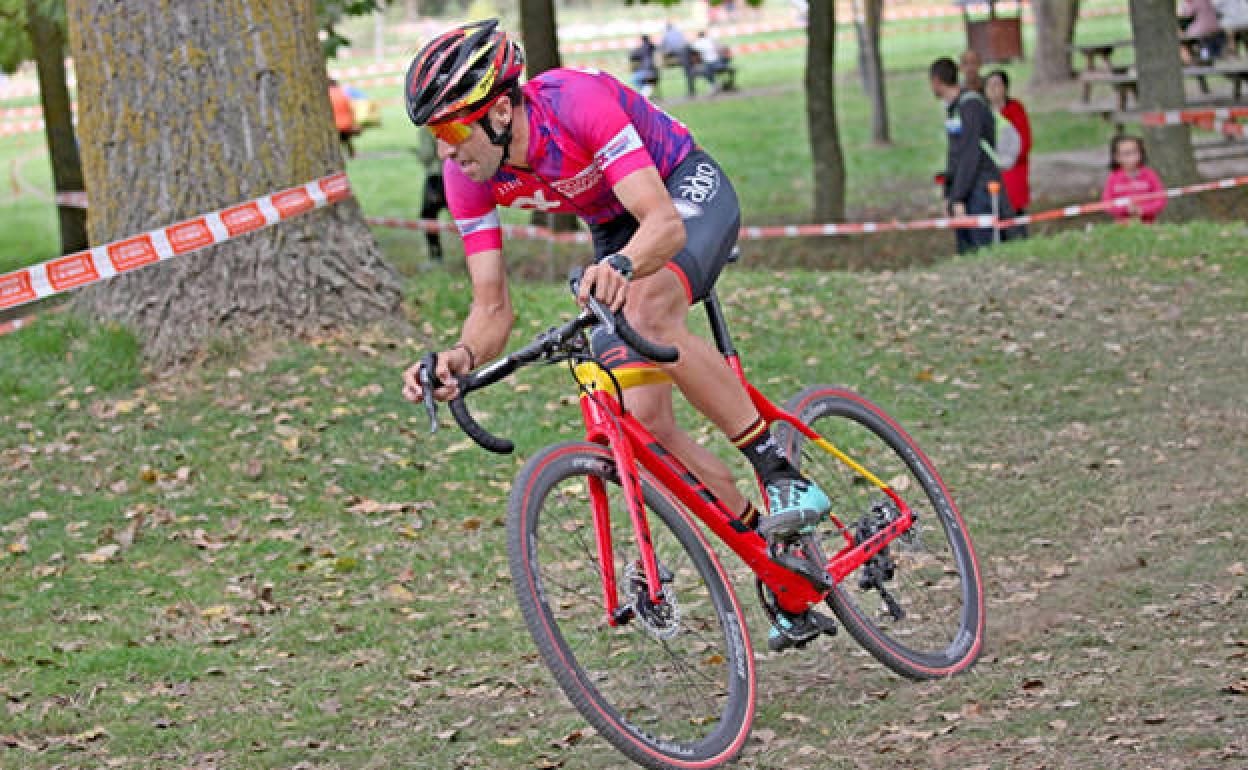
column 621, row 264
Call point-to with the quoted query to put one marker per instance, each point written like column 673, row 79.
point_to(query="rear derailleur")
column 881, row 568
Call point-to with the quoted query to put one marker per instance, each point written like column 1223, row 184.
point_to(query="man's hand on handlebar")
column 607, row 285
column 456, row 361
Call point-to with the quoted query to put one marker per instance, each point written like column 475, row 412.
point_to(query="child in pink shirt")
column 1131, row 176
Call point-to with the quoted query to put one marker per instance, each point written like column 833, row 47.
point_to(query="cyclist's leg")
column 658, row 309
column 708, row 204
column 652, row 406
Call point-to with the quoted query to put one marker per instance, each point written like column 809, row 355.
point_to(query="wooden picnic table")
column 1234, row 70
column 1125, row 83
column 1103, row 51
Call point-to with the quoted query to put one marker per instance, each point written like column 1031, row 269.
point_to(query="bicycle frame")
column 631, row 444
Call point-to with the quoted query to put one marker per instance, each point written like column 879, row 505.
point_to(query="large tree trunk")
column 541, row 53
column 827, row 162
column 1160, row 78
column 1055, row 32
column 188, row 107
column 47, row 40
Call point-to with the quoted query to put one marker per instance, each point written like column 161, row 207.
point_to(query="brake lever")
column 605, row 317
column 429, row 382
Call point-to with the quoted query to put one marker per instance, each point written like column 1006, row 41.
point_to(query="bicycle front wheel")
column 918, row 606
column 674, row 687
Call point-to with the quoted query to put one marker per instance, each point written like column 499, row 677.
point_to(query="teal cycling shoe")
column 797, row 506
column 797, row 630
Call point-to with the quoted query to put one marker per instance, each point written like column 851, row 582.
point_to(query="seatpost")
column 719, row 327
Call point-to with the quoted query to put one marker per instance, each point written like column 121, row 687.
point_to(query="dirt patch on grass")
column 1105, row 514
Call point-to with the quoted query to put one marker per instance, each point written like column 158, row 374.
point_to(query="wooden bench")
column 672, row 60
column 1236, row 71
column 1121, row 79
column 1125, row 82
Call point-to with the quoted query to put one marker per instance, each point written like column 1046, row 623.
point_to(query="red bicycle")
column 630, row 608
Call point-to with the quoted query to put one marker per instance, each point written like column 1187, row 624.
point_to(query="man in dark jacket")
column 971, row 131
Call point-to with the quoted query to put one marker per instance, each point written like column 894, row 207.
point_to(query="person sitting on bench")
column 714, row 62
column 645, row 72
column 675, row 45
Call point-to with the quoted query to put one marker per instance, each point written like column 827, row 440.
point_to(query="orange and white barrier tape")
column 1177, row 117
column 71, row 200
column 982, row 221
column 24, row 127
column 386, row 77
column 21, row 113
column 102, row 262
column 522, row 232
column 1224, row 127
column 1098, row 206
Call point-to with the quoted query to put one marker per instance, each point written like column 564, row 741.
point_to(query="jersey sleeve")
column 472, row 206
column 600, row 125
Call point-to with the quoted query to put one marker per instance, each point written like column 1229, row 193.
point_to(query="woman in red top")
column 1017, row 186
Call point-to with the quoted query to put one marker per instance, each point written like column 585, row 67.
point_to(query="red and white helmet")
column 464, row 68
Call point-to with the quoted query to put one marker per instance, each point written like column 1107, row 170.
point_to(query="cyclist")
column 663, row 219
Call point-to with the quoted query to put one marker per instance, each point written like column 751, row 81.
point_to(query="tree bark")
column 873, row 71
column 189, row 107
column 47, row 40
column 1160, row 78
column 540, row 35
column 541, row 53
column 827, row 161
column 1055, row 32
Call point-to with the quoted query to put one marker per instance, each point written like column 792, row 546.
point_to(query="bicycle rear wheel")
column 918, row 606
column 675, row 686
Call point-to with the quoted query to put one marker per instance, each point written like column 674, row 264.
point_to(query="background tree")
column 827, row 160
column 867, row 17
column 540, row 36
column 1055, row 33
column 187, row 110
column 36, row 29
column 1160, row 78
column 330, row 13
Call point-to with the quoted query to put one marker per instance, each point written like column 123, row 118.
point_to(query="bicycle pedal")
column 826, row 624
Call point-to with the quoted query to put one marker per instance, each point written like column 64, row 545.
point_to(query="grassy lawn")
column 266, row 560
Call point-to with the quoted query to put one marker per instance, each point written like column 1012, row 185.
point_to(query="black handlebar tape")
column 469, row 425
column 664, row 354
column 651, row 350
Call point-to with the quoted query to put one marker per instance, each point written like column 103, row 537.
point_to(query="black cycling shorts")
column 707, row 203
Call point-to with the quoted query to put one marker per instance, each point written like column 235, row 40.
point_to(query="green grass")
column 775, row 185
column 390, row 636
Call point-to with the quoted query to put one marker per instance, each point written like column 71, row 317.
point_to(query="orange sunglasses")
column 451, row 132
column 457, row 130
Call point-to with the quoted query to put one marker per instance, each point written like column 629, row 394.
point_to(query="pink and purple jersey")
column 587, row 131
